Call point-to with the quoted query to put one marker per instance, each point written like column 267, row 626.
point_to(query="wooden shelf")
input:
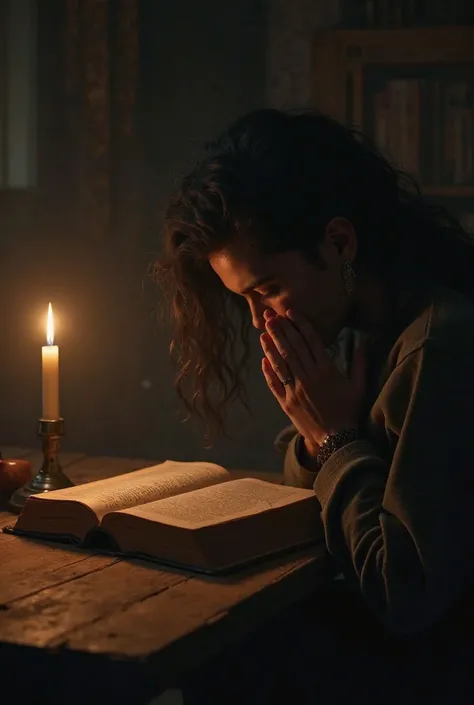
column 341, row 57
column 362, row 76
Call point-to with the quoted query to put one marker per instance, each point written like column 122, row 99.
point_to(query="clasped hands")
column 318, row 399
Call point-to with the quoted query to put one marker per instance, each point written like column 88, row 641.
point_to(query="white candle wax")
column 50, row 369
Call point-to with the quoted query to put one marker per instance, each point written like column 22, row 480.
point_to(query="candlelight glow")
column 50, row 326
column 50, row 371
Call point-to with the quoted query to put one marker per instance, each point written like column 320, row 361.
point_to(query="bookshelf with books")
column 406, row 13
column 412, row 91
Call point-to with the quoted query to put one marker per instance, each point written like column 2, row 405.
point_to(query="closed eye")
column 271, row 292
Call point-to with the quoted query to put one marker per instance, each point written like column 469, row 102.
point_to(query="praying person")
column 299, row 225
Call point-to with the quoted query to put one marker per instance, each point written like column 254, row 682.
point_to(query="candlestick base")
column 50, row 476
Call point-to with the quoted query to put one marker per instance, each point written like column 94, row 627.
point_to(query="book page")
column 147, row 485
column 217, row 504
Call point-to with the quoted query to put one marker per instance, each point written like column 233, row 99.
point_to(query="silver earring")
column 348, row 275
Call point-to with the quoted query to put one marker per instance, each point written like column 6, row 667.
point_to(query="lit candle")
column 50, row 360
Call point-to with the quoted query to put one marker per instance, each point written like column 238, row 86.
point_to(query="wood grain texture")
column 48, row 617
column 29, row 566
column 194, row 618
column 131, row 619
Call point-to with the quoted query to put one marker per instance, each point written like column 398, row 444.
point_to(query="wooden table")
column 79, row 628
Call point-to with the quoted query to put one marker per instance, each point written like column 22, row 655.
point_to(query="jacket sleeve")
column 287, row 440
column 294, row 474
column 403, row 531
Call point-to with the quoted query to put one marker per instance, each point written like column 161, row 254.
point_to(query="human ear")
column 340, row 233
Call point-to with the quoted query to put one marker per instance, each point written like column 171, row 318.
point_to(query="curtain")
column 100, row 59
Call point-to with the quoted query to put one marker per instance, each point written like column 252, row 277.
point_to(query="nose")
column 256, row 310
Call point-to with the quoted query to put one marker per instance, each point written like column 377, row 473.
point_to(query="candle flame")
column 50, row 326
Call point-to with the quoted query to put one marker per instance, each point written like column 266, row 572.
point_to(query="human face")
column 314, row 288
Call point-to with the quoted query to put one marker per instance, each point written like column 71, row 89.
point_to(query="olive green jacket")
column 397, row 505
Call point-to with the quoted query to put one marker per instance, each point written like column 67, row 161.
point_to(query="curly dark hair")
column 280, row 177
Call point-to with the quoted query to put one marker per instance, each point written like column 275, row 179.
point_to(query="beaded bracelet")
column 333, row 443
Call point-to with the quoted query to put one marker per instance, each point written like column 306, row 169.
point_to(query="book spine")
column 436, row 115
column 469, row 134
column 382, row 110
column 438, row 12
column 395, row 121
column 403, row 97
column 396, row 13
column 370, row 17
column 470, row 144
column 448, row 110
column 459, row 133
column 467, row 142
column 413, row 127
column 383, row 13
column 410, row 12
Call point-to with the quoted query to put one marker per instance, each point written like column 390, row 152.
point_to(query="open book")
column 191, row 515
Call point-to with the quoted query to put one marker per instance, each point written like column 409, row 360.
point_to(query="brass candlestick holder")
column 50, row 476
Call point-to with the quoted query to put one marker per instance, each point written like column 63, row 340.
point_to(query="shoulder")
column 443, row 321
column 430, row 369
